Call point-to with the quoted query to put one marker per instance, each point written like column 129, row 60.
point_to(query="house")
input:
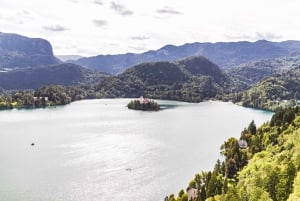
column 144, row 100
column 192, row 193
column 243, row 144
column 40, row 98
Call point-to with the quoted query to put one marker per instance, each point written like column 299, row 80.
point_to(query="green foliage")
column 145, row 106
column 249, row 74
column 232, row 195
column 235, row 157
column 281, row 90
column 267, row 170
column 252, row 128
column 295, row 196
column 45, row 96
column 192, row 80
column 283, row 116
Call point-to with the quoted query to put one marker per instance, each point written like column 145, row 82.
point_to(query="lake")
column 98, row 150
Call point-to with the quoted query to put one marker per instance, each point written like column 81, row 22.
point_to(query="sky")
column 93, row 27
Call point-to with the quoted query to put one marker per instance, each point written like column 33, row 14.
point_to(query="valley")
column 261, row 75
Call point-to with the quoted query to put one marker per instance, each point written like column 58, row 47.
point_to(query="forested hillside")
column 279, row 90
column 262, row 165
column 193, row 79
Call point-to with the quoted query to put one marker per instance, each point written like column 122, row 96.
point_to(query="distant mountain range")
column 193, row 79
column 224, row 54
column 248, row 74
column 61, row 74
column 267, row 70
column 65, row 58
column 21, row 51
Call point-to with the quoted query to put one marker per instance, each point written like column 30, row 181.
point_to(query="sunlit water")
column 98, row 150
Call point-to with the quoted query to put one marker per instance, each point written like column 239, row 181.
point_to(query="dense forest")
column 45, row 96
column 249, row 74
column 262, row 165
column 280, row 90
column 192, row 80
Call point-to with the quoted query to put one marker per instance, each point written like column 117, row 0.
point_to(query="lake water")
column 98, row 150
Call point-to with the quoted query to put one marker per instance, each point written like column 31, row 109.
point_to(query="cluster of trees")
column 274, row 152
column 145, row 106
column 45, row 96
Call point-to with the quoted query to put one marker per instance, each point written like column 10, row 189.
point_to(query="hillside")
column 193, row 79
column 262, row 165
column 282, row 89
column 224, row 54
column 249, row 74
column 66, row 58
column 21, row 51
column 62, row 74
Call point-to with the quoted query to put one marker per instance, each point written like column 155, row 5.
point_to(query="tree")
column 202, row 196
column 258, row 194
column 181, row 193
column 252, row 128
column 285, row 184
column 288, row 116
column 271, row 183
column 225, row 186
column 231, row 168
column 232, row 195
column 212, row 184
column 192, row 184
column 171, row 198
column 218, row 167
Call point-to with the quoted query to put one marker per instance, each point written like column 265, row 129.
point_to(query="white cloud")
column 100, row 23
column 55, row 27
column 138, row 48
column 99, row 2
column 120, row 9
column 155, row 23
column 139, row 38
column 253, row 36
column 169, row 11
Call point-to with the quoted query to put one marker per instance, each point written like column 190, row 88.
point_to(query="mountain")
column 63, row 74
column 193, row 79
column 224, row 54
column 20, row 51
column 67, row 58
column 282, row 89
column 248, row 74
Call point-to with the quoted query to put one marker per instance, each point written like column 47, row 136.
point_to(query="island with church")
column 143, row 104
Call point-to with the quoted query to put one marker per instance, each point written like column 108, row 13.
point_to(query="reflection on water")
column 99, row 150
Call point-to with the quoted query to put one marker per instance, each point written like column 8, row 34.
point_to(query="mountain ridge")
column 61, row 74
column 224, row 54
column 21, row 51
column 169, row 80
column 249, row 74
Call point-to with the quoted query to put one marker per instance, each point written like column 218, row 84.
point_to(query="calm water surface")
column 98, row 150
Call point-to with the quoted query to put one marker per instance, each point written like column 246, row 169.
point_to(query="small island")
column 143, row 104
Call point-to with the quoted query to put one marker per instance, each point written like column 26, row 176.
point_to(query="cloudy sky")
column 92, row 27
